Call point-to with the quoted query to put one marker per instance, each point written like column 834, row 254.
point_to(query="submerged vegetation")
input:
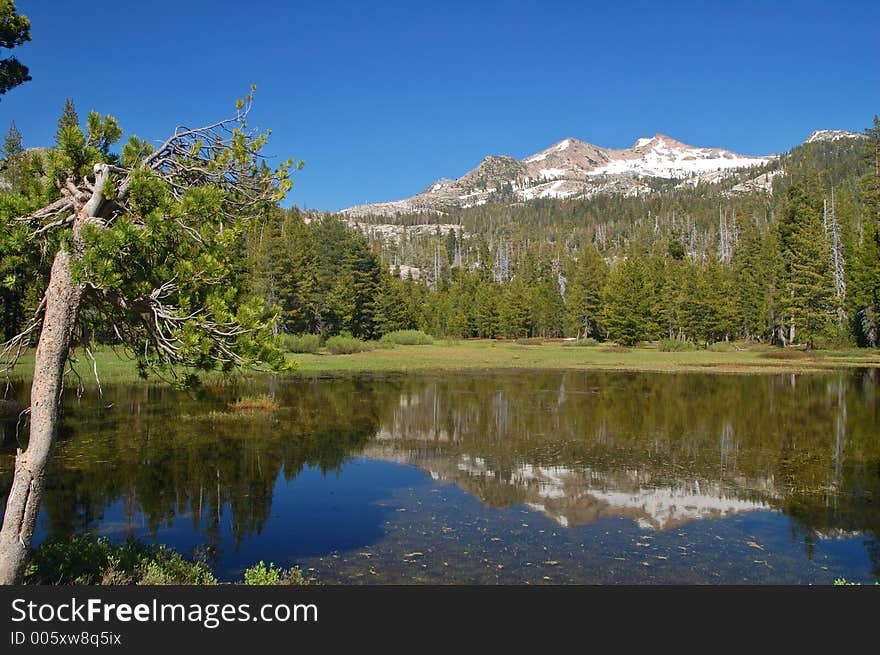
column 618, row 462
column 260, row 403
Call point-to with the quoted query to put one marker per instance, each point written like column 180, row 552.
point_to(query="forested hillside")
column 799, row 264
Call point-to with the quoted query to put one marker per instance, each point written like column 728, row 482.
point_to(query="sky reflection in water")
column 512, row 478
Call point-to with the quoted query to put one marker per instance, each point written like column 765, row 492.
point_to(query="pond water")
column 563, row 477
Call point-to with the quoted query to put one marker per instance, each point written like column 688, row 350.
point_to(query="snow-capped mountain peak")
column 570, row 168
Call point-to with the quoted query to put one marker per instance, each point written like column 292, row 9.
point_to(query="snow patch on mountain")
column 571, row 168
column 832, row 135
column 661, row 156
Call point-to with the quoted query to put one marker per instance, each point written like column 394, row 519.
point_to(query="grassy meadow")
column 489, row 355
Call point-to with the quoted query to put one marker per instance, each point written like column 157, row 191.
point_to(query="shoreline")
column 489, row 356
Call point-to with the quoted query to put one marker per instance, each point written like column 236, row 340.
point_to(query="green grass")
column 407, row 338
column 488, row 355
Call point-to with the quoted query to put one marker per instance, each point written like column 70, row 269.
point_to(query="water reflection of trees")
column 806, row 445
column 166, row 454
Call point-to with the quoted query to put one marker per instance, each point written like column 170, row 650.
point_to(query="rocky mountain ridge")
column 570, row 168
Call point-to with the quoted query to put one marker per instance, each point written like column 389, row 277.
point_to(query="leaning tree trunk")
column 62, row 305
column 62, row 302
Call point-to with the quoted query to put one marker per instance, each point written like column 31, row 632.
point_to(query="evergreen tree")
column 515, row 309
column 864, row 287
column 298, row 278
column 865, row 284
column 693, row 304
column 809, row 300
column 717, row 291
column 812, row 302
column 151, row 248
column 626, row 302
column 583, row 293
column 392, row 307
column 486, row 301
column 750, row 284
column 548, row 308
column 670, row 299
column 69, row 118
column 14, row 163
column 15, row 30
column 870, row 181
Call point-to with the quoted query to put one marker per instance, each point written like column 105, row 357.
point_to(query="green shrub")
column 407, row 338
column 674, row 345
column 301, row 343
column 168, row 567
column 582, row 342
column 723, row 347
column 83, row 561
column 262, row 574
column 346, row 345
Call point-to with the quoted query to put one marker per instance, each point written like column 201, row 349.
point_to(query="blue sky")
column 380, row 99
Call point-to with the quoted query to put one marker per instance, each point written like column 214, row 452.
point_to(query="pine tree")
column 865, row 271
column 750, row 284
column 548, row 308
column 809, row 299
column 151, row 249
column 298, row 277
column 669, row 301
column 693, row 306
column 515, row 309
column 626, row 302
column 13, row 159
column 717, row 291
column 15, row 30
column 486, row 301
column 864, row 288
column 583, row 294
column 870, row 182
column 69, row 118
column 812, row 303
column 391, row 306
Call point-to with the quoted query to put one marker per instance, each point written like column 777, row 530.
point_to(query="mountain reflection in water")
column 360, row 465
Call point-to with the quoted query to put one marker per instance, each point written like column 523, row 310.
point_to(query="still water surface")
column 487, row 478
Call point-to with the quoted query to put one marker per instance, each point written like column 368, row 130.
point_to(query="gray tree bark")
column 62, row 299
column 62, row 306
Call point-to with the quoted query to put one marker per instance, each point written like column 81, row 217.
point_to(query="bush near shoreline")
column 79, row 560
